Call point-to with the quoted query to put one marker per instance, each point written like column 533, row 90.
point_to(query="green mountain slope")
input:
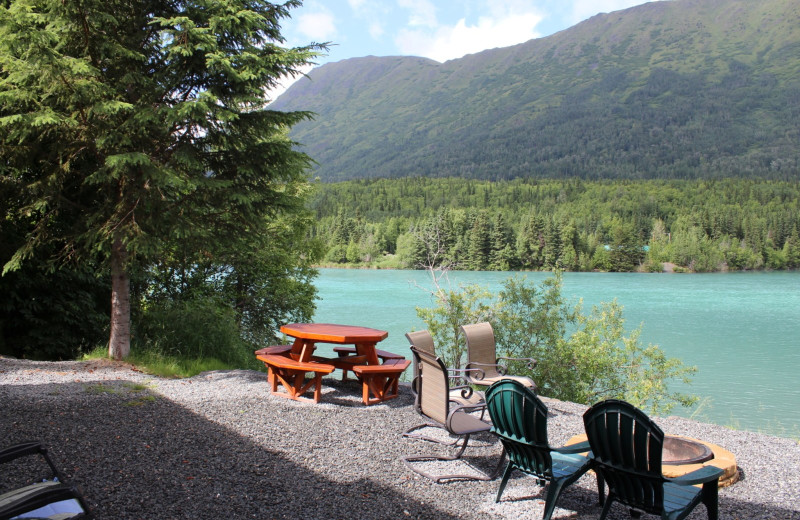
column 672, row 89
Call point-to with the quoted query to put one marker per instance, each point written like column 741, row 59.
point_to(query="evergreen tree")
column 148, row 120
column 552, row 245
column 479, row 242
column 501, row 254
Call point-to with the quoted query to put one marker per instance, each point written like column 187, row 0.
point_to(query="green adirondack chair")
column 626, row 449
column 519, row 419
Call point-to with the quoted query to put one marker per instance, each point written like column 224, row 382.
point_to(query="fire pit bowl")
column 678, row 451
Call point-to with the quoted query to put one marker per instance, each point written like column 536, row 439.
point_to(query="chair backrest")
column 481, row 346
column 626, row 447
column 519, row 419
column 423, row 341
column 434, row 387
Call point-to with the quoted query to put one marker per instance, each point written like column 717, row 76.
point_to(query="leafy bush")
column 581, row 357
column 52, row 315
column 192, row 329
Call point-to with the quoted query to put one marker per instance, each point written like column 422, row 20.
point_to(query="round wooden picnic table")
column 307, row 334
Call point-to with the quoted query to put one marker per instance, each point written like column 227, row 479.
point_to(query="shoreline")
column 218, row 445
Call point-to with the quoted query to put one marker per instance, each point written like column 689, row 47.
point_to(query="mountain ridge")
column 671, row 89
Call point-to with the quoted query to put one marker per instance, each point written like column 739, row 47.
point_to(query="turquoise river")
column 741, row 330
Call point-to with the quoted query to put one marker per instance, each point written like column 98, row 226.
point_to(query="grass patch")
column 162, row 365
column 141, row 401
column 100, row 388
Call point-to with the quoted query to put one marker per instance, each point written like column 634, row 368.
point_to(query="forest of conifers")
column 577, row 225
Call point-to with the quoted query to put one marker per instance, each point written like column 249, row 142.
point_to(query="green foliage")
column 266, row 285
column 678, row 90
column 468, row 304
column 144, row 125
column 581, row 357
column 572, row 225
column 192, row 329
column 52, row 314
column 153, row 361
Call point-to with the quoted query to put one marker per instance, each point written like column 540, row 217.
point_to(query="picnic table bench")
column 348, row 358
column 291, row 374
column 381, row 380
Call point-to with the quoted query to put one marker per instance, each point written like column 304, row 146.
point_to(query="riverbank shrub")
column 582, row 356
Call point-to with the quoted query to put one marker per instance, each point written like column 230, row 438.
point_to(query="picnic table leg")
column 344, row 370
column 273, row 381
column 299, row 379
column 368, row 349
column 365, row 392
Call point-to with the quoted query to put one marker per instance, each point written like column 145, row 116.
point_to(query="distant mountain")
column 671, row 89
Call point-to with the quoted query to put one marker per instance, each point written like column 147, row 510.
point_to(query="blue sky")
column 438, row 29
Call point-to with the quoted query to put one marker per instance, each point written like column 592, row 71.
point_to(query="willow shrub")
column 581, row 357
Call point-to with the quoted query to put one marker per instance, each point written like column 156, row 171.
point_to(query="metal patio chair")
column 47, row 497
column 460, row 394
column 433, row 403
column 482, row 354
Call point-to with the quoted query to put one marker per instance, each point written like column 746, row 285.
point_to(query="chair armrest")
column 30, row 448
column 531, row 362
column 20, row 450
column 574, row 448
column 466, row 390
column 477, row 373
column 698, row 476
column 461, row 371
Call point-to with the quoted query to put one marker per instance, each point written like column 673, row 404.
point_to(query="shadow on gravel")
column 137, row 455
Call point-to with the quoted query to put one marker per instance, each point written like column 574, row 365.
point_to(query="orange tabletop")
column 307, row 334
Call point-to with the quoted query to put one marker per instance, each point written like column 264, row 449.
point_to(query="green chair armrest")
column 698, row 476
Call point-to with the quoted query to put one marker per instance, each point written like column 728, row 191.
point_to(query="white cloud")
column 423, row 13
column 286, row 82
column 317, row 25
column 376, row 30
column 450, row 42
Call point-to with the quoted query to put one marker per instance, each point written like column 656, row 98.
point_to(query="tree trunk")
column 119, row 344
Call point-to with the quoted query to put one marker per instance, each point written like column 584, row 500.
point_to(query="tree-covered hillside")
column 731, row 224
column 679, row 89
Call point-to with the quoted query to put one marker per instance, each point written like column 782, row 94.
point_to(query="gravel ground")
column 220, row 446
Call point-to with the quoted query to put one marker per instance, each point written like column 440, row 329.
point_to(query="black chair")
column 519, row 419
column 626, row 452
column 42, row 497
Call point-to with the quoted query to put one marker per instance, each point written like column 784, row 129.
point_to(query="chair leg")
column 553, row 491
column 411, row 435
column 601, row 488
column 463, row 447
column 409, row 460
column 506, row 474
column 711, row 498
column 607, row 506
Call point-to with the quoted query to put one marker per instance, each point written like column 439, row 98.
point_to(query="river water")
column 741, row 330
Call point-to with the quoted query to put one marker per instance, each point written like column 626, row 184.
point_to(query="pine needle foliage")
column 130, row 126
